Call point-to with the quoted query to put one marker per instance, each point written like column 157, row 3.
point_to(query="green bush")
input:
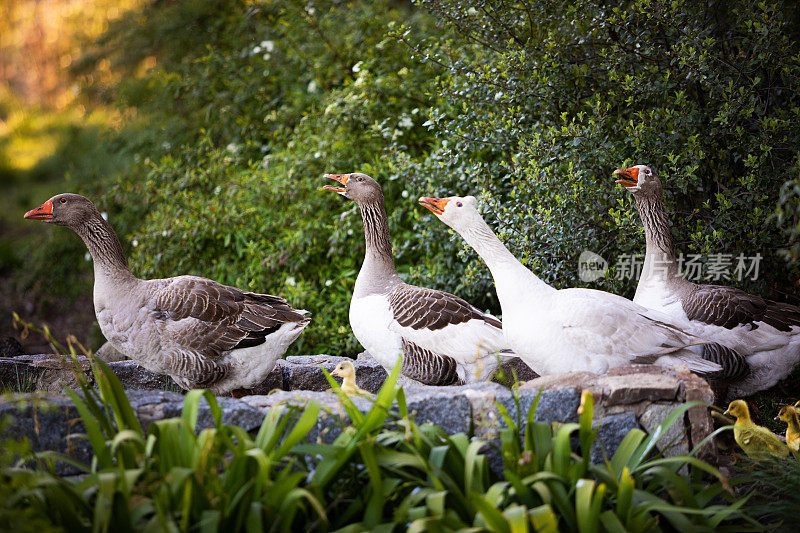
column 246, row 117
column 546, row 99
column 774, row 484
column 382, row 472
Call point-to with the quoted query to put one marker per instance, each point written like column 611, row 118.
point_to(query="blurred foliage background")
column 203, row 128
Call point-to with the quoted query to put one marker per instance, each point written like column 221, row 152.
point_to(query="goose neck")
column 104, row 247
column 659, row 262
column 511, row 277
column 378, row 271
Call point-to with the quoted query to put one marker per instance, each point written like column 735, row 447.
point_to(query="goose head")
column 66, row 209
column 639, row 180
column 458, row 212
column 786, row 414
column 345, row 370
column 739, row 409
column 356, row 186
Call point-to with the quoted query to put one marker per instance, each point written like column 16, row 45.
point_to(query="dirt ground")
column 63, row 317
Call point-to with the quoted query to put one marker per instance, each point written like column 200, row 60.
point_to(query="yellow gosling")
column 347, row 372
column 789, row 415
column 755, row 440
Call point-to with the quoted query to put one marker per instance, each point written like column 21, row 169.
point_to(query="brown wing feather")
column 225, row 317
column 418, row 308
column 730, row 307
column 734, row 365
column 428, row 367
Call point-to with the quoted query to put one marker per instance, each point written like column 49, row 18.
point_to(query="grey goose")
column 765, row 332
column 444, row 339
column 201, row 333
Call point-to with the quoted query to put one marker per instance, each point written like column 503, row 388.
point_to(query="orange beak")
column 43, row 212
column 436, row 205
column 341, row 178
column 630, row 176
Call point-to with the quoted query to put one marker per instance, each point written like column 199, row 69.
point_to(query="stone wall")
column 637, row 396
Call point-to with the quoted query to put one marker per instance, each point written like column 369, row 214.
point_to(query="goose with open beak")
column 765, row 333
column 444, row 340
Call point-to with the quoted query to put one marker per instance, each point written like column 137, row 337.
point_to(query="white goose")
column 570, row 329
column 767, row 333
column 444, row 340
column 201, row 333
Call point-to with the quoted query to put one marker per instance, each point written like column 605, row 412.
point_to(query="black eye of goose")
column 647, row 171
column 63, row 200
column 458, row 204
column 360, row 178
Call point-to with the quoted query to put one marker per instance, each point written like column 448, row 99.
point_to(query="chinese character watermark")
column 692, row 267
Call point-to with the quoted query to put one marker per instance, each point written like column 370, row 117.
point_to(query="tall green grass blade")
column 191, row 408
column 587, row 433
column 493, row 518
column 301, row 428
column 625, row 495
column 562, row 449
column 272, row 427
column 255, row 520
column 626, row 451
column 611, row 522
column 544, row 520
column 516, row 516
column 584, row 493
column 113, row 394
column 563, row 505
column 97, row 440
column 374, row 508
column 475, row 472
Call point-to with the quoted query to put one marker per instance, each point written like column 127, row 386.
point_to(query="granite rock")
column 610, row 432
column 637, row 396
column 135, row 377
column 673, row 440
column 49, row 422
column 447, row 407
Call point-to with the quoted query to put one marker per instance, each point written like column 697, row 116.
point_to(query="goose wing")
column 730, row 307
column 441, row 323
column 611, row 326
column 428, row 367
column 211, row 319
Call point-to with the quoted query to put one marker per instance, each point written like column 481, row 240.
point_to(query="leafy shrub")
column 773, row 483
column 246, row 117
column 545, row 99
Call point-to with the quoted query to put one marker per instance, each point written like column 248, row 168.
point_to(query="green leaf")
column 544, row 519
